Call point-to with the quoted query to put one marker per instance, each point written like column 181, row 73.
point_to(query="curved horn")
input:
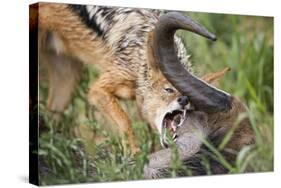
column 202, row 95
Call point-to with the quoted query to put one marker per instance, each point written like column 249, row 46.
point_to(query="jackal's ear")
column 214, row 77
column 153, row 64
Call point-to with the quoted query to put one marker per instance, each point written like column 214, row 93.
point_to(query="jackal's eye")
column 169, row 90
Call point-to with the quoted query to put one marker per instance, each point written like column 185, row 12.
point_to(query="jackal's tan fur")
column 73, row 44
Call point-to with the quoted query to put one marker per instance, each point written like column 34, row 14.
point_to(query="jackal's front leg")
column 103, row 94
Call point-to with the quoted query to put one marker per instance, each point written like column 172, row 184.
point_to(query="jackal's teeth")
column 174, row 136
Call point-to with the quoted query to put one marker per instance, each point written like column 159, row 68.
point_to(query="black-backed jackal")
column 139, row 58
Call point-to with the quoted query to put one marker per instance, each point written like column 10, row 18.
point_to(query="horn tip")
column 214, row 38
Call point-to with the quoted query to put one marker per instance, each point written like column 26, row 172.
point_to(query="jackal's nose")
column 183, row 100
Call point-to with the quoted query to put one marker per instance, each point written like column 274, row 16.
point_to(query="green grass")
column 245, row 44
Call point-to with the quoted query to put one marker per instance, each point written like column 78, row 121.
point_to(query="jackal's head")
column 169, row 86
column 161, row 103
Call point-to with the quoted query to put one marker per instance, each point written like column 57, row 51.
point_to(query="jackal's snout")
column 182, row 100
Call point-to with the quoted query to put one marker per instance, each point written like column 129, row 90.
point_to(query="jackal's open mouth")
column 171, row 121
